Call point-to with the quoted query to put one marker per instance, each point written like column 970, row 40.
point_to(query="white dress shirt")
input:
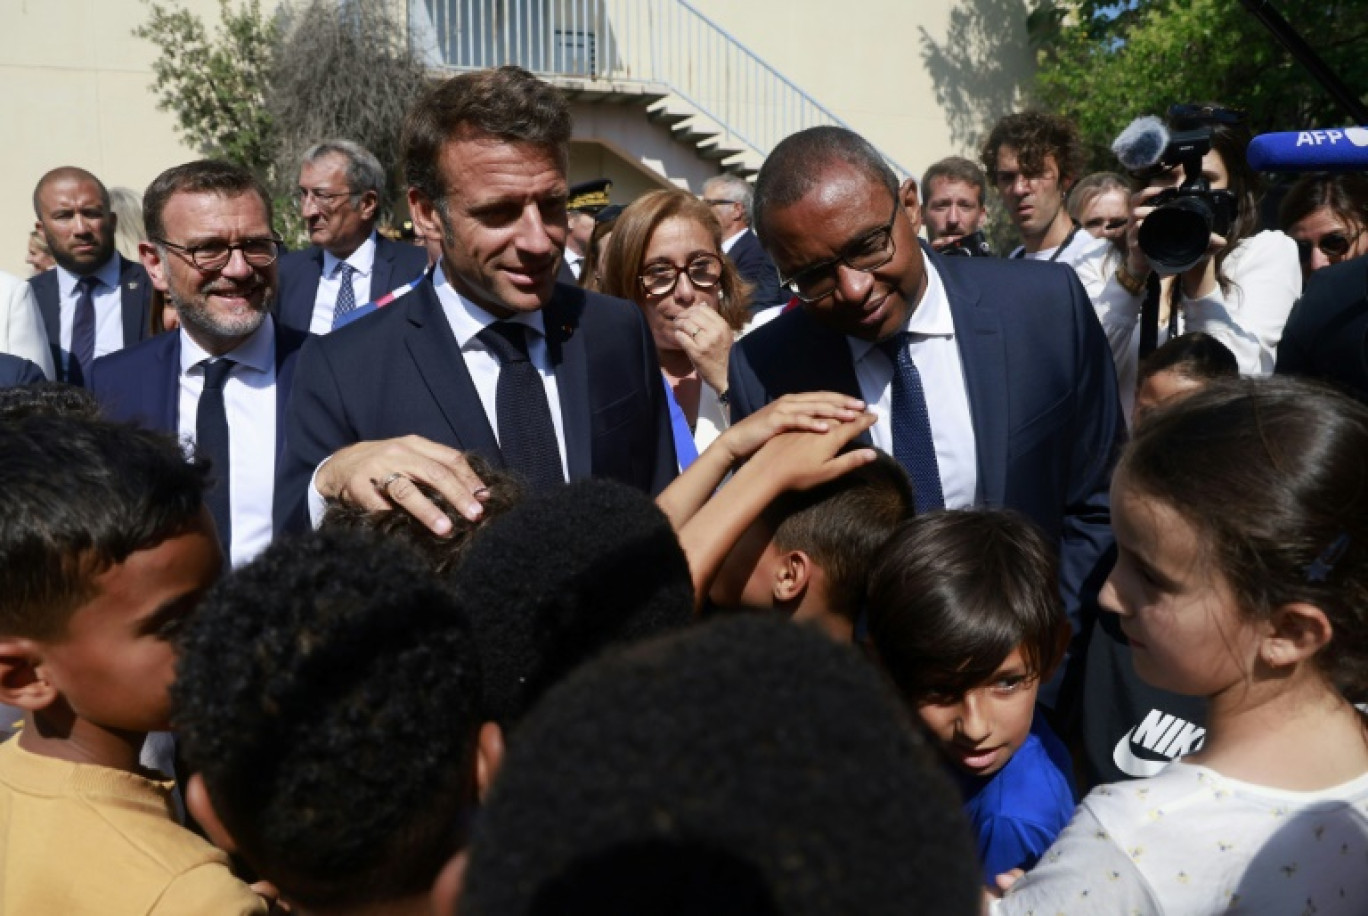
column 362, row 261
column 575, row 262
column 249, row 399
column 108, row 298
column 936, row 353
column 732, row 239
column 1081, row 246
column 467, row 320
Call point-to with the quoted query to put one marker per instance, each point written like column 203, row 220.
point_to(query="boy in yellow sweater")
column 105, row 549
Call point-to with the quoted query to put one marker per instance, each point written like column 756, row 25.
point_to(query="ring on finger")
column 696, row 332
column 384, row 485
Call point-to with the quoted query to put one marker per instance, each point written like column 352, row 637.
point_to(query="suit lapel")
column 163, row 401
column 382, row 268
column 983, row 357
column 46, row 290
column 132, row 298
column 570, row 362
column 443, row 369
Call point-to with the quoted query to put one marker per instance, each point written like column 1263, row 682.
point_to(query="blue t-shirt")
column 1019, row 810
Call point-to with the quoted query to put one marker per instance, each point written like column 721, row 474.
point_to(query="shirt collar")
column 256, row 352
column 362, row 259
column 467, row 319
column 931, row 317
column 731, row 240
column 108, row 274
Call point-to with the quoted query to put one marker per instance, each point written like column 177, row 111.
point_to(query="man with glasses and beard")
column 992, row 380
column 94, row 301
column 222, row 379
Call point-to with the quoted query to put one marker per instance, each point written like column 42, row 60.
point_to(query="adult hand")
column 380, row 475
column 1136, row 263
column 706, row 339
column 813, row 411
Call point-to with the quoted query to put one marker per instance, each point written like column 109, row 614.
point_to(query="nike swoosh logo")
column 1126, row 761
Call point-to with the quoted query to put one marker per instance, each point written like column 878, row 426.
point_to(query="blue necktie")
column 83, row 332
column 527, row 435
column 211, row 441
column 346, row 296
column 913, row 445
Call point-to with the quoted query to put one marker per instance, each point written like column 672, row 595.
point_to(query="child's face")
column 1177, row 610
column 114, row 664
column 981, row 730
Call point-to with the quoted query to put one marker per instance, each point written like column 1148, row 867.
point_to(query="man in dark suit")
column 1326, row 336
column 94, row 301
column 993, row 381
column 730, row 197
column 488, row 353
column 341, row 196
column 15, row 370
column 223, row 379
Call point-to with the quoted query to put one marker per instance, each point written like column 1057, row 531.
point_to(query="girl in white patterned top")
column 1241, row 519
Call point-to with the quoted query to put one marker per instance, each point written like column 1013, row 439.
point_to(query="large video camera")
column 1174, row 237
column 973, row 245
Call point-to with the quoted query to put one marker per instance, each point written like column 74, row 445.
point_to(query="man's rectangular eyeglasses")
column 869, row 252
column 325, row 199
column 216, row 255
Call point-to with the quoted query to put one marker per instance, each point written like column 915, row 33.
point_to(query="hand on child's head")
column 802, row 460
column 814, row 411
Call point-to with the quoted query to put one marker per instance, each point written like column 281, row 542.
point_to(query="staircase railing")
column 662, row 42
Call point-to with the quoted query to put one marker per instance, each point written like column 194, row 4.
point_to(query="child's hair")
column 842, row 524
column 48, row 399
column 77, row 496
column 1272, row 473
column 443, row 554
column 1196, row 356
column 327, row 695
column 952, row 594
column 760, row 759
column 562, row 576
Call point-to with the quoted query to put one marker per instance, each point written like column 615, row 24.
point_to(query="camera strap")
column 1149, row 316
column 1068, row 240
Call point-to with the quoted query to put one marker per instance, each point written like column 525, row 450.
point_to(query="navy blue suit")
column 1042, row 395
column 755, row 266
column 1326, row 336
column 15, row 370
column 399, row 371
column 141, row 384
column 135, row 291
column 396, row 263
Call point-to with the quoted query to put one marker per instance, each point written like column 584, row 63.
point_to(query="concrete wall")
column 77, row 91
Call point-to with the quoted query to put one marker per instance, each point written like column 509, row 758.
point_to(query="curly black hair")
column 49, row 399
column 769, row 748
column 327, row 694
column 560, row 577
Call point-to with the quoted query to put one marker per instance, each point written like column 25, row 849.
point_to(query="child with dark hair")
column 742, row 768
column 561, row 577
column 105, row 551
column 326, row 702
column 1241, row 519
column 443, row 553
column 1180, row 367
column 964, row 615
column 51, row 399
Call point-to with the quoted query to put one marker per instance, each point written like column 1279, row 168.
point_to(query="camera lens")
column 1175, row 236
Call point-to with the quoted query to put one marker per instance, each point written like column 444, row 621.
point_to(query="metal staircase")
column 713, row 93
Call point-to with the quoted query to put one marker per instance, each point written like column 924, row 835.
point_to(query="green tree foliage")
column 217, row 87
column 1104, row 63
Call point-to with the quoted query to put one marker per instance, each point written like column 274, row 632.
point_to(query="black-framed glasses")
column 216, row 255
column 869, row 252
column 1106, row 225
column 719, row 201
column 1334, row 245
column 704, row 272
column 325, row 199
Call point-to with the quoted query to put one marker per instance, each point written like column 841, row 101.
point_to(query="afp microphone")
column 1337, row 149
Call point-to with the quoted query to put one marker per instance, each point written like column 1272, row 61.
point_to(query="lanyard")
column 1068, row 239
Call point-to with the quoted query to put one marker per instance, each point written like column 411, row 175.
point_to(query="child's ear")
column 23, row 682
column 792, row 575
column 489, row 754
column 201, row 808
column 1297, row 631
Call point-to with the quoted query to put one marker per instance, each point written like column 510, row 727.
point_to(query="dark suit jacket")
column 142, row 385
column 396, row 263
column 413, row 380
column 136, row 291
column 1042, row 395
column 1326, row 336
column 759, row 271
column 15, row 370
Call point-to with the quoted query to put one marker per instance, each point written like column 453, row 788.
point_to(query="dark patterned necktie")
column 527, row 436
column 211, row 441
column 346, row 296
column 913, row 444
column 83, row 332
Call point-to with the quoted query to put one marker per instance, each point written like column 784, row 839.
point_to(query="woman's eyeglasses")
column 1334, row 245
column 704, row 272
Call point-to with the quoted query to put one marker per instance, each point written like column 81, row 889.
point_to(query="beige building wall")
column 77, row 91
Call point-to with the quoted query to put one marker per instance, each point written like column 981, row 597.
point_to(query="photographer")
column 956, row 207
column 1241, row 286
